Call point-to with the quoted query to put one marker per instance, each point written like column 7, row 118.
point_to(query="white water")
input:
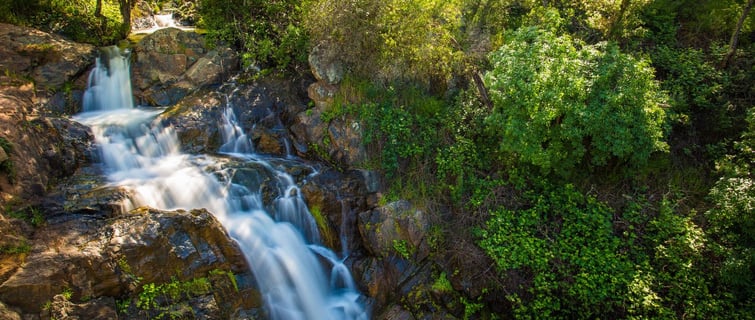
column 162, row 21
column 281, row 246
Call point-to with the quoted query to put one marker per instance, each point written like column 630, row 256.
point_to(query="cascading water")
column 284, row 255
column 162, row 21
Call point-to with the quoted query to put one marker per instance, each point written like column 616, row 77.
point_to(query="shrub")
column 565, row 246
column 560, row 103
column 389, row 41
column 268, row 31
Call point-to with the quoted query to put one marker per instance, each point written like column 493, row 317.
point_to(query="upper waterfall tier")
column 109, row 86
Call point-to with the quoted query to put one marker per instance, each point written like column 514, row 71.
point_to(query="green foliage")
column 229, row 274
column 74, row 19
column 153, row 296
column 678, row 258
column 560, row 103
column 127, row 271
column 403, row 248
column 565, row 242
column 31, row 215
column 442, row 284
column 732, row 223
column 389, row 41
column 268, row 31
column 67, row 293
column 19, row 248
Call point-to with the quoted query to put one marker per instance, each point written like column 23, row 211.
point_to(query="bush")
column 564, row 245
column 268, row 31
column 390, row 41
column 74, row 19
column 732, row 223
column 560, row 103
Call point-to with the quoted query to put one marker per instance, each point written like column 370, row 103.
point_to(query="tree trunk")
column 98, row 9
column 619, row 21
column 482, row 90
column 126, row 6
column 735, row 35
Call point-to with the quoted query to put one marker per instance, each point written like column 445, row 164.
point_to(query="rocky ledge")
column 143, row 262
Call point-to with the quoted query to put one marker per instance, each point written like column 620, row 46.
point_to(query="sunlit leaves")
column 565, row 241
column 387, row 41
column 560, row 103
column 269, row 31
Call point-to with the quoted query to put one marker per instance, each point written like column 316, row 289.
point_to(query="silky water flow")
column 297, row 277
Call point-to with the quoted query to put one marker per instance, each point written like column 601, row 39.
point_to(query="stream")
column 297, row 277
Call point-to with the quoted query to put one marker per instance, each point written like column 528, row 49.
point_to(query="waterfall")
column 164, row 21
column 109, row 84
column 297, row 277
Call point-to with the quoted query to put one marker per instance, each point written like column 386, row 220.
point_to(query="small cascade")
column 164, row 21
column 109, row 84
column 234, row 138
column 160, row 21
column 297, row 277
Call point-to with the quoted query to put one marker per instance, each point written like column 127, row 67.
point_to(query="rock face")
column 395, row 228
column 338, row 140
column 49, row 59
column 96, row 258
column 40, row 149
column 396, row 238
column 262, row 109
column 171, row 63
column 324, row 64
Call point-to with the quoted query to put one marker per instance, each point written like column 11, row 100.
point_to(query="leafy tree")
column 560, row 103
column 91, row 21
column 732, row 223
column 268, row 31
column 389, row 41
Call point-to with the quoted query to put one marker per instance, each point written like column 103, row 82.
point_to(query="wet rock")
column 94, row 257
column 260, row 108
column 339, row 196
column 86, row 192
column 170, row 64
column 49, row 59
column 196, row 121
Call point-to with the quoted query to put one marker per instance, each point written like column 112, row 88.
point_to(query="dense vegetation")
column 599, row 152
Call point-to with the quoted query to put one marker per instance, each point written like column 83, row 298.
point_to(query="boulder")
column 171, row 63
column 346, row 147
column 43, row 149
column 99, row 308
column 339, row 141
column 49, row 59
column 261, row 108
column 396, row 228
column 324, row 63
column 196, row 120
column 95, row 257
